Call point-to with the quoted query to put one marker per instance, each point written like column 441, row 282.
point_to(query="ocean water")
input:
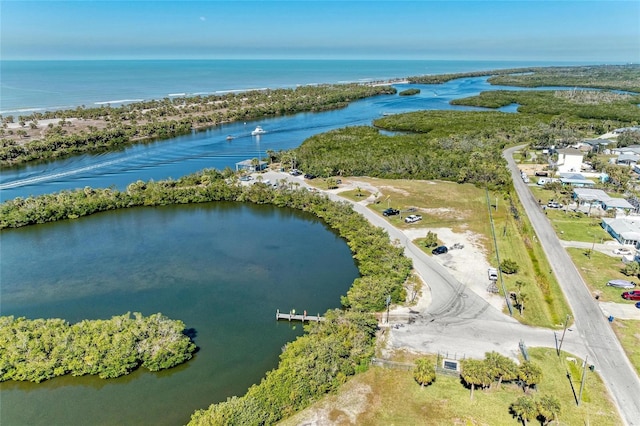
column 30, row 86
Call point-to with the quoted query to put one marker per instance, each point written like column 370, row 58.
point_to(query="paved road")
column 459, row 322
column 604, row 349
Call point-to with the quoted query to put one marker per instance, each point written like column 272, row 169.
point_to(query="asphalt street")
column 594, row 329
column 459, row 322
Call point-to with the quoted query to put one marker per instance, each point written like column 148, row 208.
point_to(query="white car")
column 412, row 218
column 625, row 251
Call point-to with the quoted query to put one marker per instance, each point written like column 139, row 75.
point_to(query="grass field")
column 391, row 397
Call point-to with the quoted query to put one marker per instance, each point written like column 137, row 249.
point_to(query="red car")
column 631, row 295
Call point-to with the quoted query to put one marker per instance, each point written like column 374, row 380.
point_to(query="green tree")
column 509, row 266
column 549, row 408
column 424, row 372
column 475, row 373
column 524, row 409
column 431, row 239
column 631, row 269
column 530, row 374
column 501, row 367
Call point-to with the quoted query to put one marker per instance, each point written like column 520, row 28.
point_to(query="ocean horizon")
column 29, row 86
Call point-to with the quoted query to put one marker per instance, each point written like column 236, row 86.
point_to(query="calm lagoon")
column 222, row 268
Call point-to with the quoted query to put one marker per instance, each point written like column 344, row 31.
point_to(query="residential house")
column 576, row 180
column 625, row 229
column 600, row 199
column 569, row 160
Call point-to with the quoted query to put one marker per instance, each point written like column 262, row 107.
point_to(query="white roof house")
column 569, row 160
column 626, row 230
column 601, row 198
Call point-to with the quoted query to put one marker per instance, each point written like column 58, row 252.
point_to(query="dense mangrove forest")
column 40, row 349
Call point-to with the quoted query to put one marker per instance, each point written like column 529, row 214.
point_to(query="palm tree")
column 530, row 374
column 524, row 408
column 549, row 408
column 475, row 373
column 501, row 367
column 424, row 372
column 255, row 163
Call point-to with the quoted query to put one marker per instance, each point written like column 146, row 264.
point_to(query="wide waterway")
column 210, row 148
column 222, row 268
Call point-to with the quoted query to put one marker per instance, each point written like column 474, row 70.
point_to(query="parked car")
column 554, row 205
column 245, row 178
column 621, row 284
column 412, row 218
column 638, row 305
column 631, row 295
column 625, row 251
column 440, row 250
column 390, row 212
column 493, row 274
column 295, row 172
column 309, row 176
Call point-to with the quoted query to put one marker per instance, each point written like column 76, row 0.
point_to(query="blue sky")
column 596, row 31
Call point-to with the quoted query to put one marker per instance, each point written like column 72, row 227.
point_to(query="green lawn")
column 597, row 270
column 384, row 397
column 629, row 336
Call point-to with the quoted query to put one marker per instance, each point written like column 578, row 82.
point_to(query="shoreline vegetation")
column 330, row 351
column 41, row 349
column 69, row 132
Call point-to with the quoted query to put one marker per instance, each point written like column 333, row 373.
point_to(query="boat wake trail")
column 61, row 174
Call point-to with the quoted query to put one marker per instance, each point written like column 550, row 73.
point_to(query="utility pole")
column 566, row 322
column 388, row 301
column 584, row 376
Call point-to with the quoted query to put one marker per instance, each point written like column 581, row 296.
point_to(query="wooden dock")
column 291, row 316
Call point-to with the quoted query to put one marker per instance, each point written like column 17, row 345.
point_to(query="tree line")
column 113, row 127
column 40, row 349
column 383, row 267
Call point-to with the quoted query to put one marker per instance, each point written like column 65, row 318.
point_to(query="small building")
column 626, row 230
column 599, row 198
column 569, row 160
column 626, row 129
column 628, row 159
column 628, row 150
column 251, row 166
column 576, row 180
column 593, row 145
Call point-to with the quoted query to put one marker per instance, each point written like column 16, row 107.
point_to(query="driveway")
column 604, row 349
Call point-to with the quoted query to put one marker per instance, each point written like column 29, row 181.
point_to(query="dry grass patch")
column 393, row 397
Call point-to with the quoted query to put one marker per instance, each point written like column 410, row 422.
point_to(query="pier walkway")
column 291, row 316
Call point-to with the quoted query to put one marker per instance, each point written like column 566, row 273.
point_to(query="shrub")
column 509, row 266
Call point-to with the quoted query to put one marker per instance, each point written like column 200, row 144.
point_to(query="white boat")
column 258, row 131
